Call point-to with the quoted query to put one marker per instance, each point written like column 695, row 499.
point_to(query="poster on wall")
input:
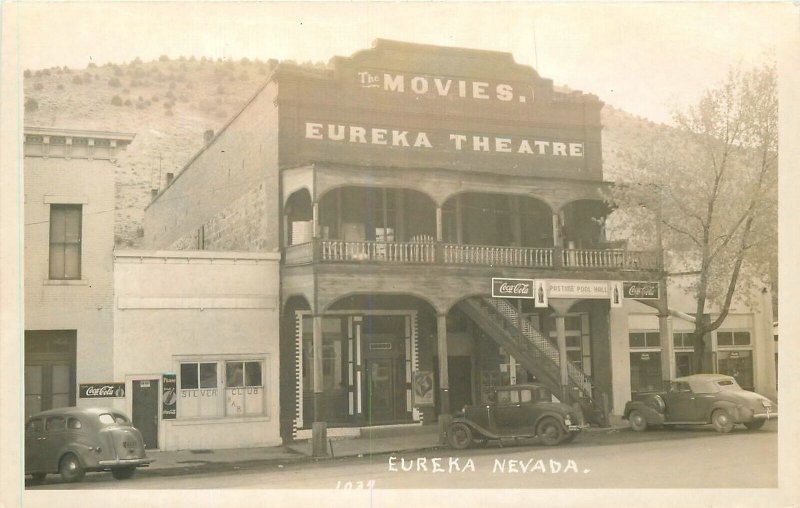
column 616, row 294
column 540, row 293
column 169, row 397
column 423, row 388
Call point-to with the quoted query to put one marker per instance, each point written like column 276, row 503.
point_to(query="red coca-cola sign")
column 102, row 390
column 512, row 288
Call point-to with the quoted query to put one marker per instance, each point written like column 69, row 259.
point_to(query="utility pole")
column 664, row 318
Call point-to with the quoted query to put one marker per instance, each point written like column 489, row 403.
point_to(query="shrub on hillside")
column 46, row 72
column 168, row 112
column 183, row 98
column 163, row 58
column 116, row 100
column 128, row 102
column 118, row 70
column 60, row 86
column 91, row 65
column 155, row 98
column 77, row 80
column 220, row 113
column 27, row 73
column 38, row 86
column 31, row 104
column 126, row 91
column 114, row 82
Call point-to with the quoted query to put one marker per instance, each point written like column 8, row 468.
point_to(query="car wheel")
column 722, row 421
column 37, row 478
column 71, row 469
column 549, row 432
column 638, row 421
column 123, row 473
column 460, row 436
column 755, row 424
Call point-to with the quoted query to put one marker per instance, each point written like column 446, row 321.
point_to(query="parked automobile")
column 701, row 399
column 517, row 411
column 71, row 441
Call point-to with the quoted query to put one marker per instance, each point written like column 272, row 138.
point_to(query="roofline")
column 196, row 254
column 56, row 131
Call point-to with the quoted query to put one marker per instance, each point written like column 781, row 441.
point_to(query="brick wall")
column 224, row 186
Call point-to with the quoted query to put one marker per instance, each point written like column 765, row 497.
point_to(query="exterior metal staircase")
column 501, row 321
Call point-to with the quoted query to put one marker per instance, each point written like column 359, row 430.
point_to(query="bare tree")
column 711, row 186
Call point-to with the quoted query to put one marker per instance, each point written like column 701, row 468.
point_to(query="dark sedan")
column 71, row 441
column 701, row 399
column 518, row 411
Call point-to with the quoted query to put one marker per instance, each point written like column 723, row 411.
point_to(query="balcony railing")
column 338, row 251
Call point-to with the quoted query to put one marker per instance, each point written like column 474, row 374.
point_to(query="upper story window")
column 65, row 241
column 733, row 338
column 644, row 339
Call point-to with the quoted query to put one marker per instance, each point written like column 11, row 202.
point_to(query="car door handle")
column 41, row 438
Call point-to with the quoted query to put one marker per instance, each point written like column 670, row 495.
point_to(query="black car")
column 518, row 411
column 701, row 399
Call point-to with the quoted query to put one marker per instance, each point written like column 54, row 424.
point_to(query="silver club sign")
column 102, row 390
column 512, row 288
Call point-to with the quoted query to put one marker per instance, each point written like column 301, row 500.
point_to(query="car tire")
column 70, row 468
column 38, row 478
column 550, row 432
column 638, row 421
column 722, row 421
column 755, row 424
column 123, row 473
column 460, row 436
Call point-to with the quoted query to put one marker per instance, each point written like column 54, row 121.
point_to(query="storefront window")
column 733, row 338
column 684, row 361
column 645, row 372
column 244, row 390
column 202, row 397
column 332, row 353
column 738, row 364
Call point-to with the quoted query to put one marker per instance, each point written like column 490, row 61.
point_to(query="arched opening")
column 372, row 345
column 298, row 215
column 373, row 214
column 497, row 219
column 584, row 224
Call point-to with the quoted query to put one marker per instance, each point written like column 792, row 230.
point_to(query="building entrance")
column 145, row 410
column 384, row 350
column 50, row 358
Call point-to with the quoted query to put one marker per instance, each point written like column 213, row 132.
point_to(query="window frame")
column 221, row 411
column 64, row 244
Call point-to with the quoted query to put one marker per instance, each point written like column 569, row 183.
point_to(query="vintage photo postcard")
column 373, row 254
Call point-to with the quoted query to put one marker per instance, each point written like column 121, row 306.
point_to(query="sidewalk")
column 371, row 441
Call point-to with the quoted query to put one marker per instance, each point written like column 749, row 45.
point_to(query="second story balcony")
column 432, row 253
column 404, row 226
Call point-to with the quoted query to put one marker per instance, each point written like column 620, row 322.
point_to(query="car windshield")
column 113, row 418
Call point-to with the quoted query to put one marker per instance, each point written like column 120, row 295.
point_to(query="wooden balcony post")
column 445, row 418
column 315, row 219
column 439, row 233
column 561, row 336
column 319, row 427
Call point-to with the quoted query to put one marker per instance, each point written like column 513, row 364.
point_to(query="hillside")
column 169, row 104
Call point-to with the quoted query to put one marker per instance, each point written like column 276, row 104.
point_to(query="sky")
column 646, row 58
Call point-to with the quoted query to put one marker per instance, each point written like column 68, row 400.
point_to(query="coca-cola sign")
column 512, row 288
column 102, row 390
column 641, row 290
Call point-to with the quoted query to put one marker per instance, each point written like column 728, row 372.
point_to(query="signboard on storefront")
column 102, row 390
column 512, row 288
column 577, row 289
column 169, row 397
column 641, row 290
column 423, row 388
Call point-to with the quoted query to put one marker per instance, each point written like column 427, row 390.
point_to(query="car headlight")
column 567, row 420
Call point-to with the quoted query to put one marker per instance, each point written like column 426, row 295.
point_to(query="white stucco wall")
column 173, row 306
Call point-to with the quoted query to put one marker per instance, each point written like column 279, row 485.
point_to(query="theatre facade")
column 440, row 214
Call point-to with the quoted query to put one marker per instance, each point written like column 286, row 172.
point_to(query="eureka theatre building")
column 440, row 216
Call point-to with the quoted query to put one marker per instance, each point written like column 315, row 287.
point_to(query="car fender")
column 728, row 406
column 651, row 415
column 551, row 414
column 477, row 428
column 80, row 450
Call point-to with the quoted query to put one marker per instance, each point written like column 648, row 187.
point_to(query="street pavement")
column 690, row 457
